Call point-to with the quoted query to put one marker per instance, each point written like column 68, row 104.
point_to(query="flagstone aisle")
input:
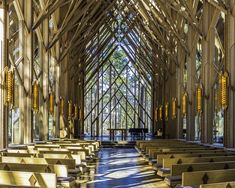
column 120, row 168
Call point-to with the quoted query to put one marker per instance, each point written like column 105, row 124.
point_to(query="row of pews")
column 188, row 164
column 58, row 163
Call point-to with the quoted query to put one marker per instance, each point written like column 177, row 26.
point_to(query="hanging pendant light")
column 51, row 103
column 184, row 104
column 9, row 86
column 223, row 81
column 70, row 108
column 35, row 97
column 75, row 112
column 160, row 113
column 61, row 106
column 199, row 99
column 173, row 108
column 166, row 111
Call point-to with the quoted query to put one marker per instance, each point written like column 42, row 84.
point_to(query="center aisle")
column 121, row 168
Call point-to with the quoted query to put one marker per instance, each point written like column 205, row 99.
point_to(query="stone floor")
column 121, row 168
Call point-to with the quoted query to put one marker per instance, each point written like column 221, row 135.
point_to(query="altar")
column 112, row 133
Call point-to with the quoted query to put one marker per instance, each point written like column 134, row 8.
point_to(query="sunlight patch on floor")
column 124, row 168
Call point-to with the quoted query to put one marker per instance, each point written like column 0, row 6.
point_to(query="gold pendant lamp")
column 70, row 109
column 35, row 97
column 61, row 106
column 199, row 99
column 223, row 81
column 173, row 108
column 9, row 86
column 75, row 112
column 51, row 103
column 166, row 111
column 184, row 104
column 160, row 113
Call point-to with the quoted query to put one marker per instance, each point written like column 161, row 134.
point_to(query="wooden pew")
column 206, row 177
column 152, row 153
column 163, row 172
column 61, row 171
column 230, row 184
column 185, row 154
column 19, row 154
column 167, row 163
column 70, row 163
column 143, row 145
column 177, row 170
column 88, row 149
column 24, row 179
column 21, row 151
column 45, row 146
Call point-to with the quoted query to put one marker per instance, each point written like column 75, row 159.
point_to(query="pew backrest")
column 46, row 180
column 177, row 170
column 206, row 177
column 168, row 162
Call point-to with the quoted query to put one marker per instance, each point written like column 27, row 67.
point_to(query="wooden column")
column 154, row 103
column 208, row 76
column 171, row 123
column 63, row 85
column 57, row 92
column 21, row 72
column 4, row 62
column 229, row 123
column 191, row 75
column 179, row 91
column 44, row 58
column 81, row 99
column 28, row 65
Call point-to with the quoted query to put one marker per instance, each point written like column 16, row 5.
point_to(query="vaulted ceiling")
column 162, row 26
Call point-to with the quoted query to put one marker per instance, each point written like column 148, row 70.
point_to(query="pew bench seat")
column 163, row 172
column 172, row 181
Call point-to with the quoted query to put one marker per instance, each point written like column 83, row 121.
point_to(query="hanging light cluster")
column 61, row 106
column 51, row 103
column 223, row 81
column 160, row 113
column 166, row 111
column 173, row 108
column 70, row 110
column 35, row 96
column 184, row 104
column 9, row 86
column 75, row 112
column 199, row 99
